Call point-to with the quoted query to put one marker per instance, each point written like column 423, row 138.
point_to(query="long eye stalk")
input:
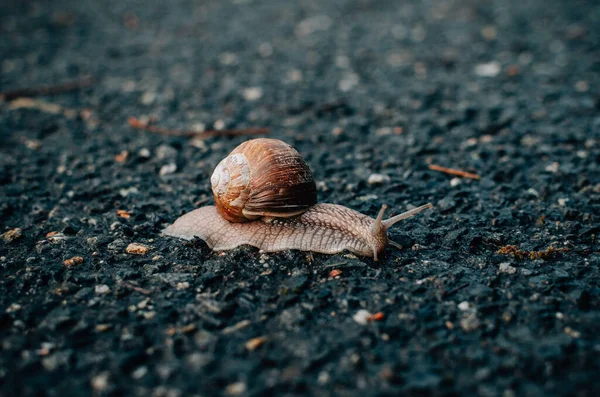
column 391, row 221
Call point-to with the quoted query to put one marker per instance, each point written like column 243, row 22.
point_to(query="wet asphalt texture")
column 495, row 293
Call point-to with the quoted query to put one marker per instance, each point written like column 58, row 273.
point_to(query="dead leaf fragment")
column 548, row 253
column 123, row 214
column 122, row 157
column 137, row 249
column 376, row 317
column 28, row 103
column 572, row 333
column 186, row 329
column 33, row 144
column 102, row 327
column 74, row 261
column 12, row 235
column 255, row 343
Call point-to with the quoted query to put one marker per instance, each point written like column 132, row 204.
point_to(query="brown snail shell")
column 263, row 177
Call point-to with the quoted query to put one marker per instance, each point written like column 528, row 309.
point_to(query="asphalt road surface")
column 495, row 292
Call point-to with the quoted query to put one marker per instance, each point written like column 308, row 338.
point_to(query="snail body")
column 284, row 215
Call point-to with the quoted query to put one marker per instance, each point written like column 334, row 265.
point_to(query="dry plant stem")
column 52, row 89
column 137, row 124
column 453, row 171
column 134, row 288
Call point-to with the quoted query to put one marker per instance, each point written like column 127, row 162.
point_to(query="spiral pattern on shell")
column 263, row 177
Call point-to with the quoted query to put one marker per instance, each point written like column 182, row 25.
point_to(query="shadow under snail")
column 265, row 196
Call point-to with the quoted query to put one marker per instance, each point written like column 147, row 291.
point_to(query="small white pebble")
column 219, row 125
column 490, row 69
column 552, row 167
column 313, row 24
column 562, row 201
column 167, row 169
column 533, row 192
column 144, row 153
column 100, row 382
column 198, row 127
column 337, row 131
column 102, row 289
column 294, row 75
column 349, row 81
column 396, row 59
column 455, row 182
column 464, row 306
column 362, row 317
column 183, row 285
column 253, row 93
column 235, row 389
column 582, row 86
column 572, row 333
column 130, row 190
column 368, row 197
column 143, row 304
column 148, row 97
column 199, row 143
column 383, row 131
column 149, row 315
column 505, row 267
column 342, row 61
column 322, row 186
column 378, row 179
column 139, row 372
column 470, row 142
column 489, row 32
column 323, row 378
column 228, row 58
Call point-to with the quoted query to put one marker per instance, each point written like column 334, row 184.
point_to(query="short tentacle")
column 376, row 226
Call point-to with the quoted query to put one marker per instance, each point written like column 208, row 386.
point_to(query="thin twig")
column 455, row 290
column 50, row 89
column 140, row 125
column 453, row 171
column 134, row 287
column 344, row 265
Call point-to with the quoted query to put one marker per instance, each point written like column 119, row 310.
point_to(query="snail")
column 265, row 196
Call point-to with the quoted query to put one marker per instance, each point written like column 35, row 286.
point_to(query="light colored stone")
column 137, row 249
